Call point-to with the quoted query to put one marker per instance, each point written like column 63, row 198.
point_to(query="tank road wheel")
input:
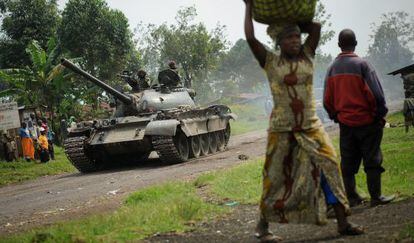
column 74, row 149
column 213, row 142
column 221, row 141
column 195, row 145
column 227, row 133
column 183, row 146
column 205, row 143
column 172, row 149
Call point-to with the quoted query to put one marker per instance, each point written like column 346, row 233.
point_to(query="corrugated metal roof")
column 404, row 70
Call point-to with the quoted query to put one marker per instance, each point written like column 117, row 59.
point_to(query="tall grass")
column 165, row 208
column 12, row 172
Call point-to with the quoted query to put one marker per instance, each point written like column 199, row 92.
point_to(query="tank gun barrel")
column 122, row 97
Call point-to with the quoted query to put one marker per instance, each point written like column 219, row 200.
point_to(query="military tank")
column 161, row 119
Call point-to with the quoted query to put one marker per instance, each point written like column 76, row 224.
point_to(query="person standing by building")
column 3, row 145
column 11, row 149
column 301, row 175
column 43, row 146
column 27, row 142
column 32, row 127
column 50, row 138
column 354, row 98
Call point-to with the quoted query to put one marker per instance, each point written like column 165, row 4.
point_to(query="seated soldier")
column 143, row 80
column 139, row 82
column 169, row 77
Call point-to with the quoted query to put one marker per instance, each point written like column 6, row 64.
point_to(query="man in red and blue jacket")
column 354, row 98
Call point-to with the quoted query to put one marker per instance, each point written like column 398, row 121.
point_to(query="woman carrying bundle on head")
column 301, row 174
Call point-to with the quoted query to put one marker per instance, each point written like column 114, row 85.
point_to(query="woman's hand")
column 314, row 31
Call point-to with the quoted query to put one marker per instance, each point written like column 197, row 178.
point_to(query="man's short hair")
column 347, row 38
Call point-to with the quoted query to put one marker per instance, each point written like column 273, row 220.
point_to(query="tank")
column 164, row 119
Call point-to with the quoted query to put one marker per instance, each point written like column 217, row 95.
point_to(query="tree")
column 240, row 66
column 98, row 34
column 322, row 60
column 43, row 83
column 196, row 50
column 22, row 22
column 324, row 18
column 390, row 48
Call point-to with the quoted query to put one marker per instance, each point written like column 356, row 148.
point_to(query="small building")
column 407, row 74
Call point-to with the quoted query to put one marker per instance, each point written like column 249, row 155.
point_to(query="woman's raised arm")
column 257, row 48
column 314, row 31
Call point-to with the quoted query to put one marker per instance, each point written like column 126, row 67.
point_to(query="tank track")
column 166, row 149
column 74, row 149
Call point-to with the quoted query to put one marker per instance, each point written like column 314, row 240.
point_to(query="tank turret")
column 150, row 100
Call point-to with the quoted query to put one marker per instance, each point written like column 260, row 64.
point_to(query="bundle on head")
column 283, row 11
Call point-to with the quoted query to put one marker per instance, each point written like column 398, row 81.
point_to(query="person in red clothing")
column 354, row 98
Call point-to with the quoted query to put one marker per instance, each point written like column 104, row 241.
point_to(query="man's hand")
column 382, row 122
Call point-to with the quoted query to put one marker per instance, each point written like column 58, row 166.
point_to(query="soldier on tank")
column 170, row 77
column 139, row 82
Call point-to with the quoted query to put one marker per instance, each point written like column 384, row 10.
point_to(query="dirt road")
column 68, row 196
column 389, row 223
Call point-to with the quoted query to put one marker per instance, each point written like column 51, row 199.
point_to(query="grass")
column 250, row 118
column 173, row 207
column 227, row 184
column 407, row 233
column 12, row 172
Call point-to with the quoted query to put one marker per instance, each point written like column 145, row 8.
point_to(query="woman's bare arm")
column 257, row 48
column 314, row 31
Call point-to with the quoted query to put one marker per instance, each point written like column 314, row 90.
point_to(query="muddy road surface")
column 69, row 196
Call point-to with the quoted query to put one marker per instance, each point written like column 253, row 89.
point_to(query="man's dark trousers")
column 361, row 144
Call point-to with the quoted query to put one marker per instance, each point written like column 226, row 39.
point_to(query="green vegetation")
column 11, row 172
column 165, row 208
column 407, row 233
column 226, row 184
column 250, row 118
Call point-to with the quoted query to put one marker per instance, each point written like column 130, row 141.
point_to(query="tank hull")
column 169, row 133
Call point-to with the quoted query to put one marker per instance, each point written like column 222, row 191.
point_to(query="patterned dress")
column 299, row 152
